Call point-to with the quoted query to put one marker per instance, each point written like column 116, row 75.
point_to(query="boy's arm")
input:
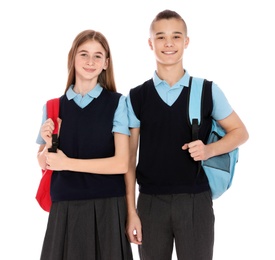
column 236, row 135
column 133, row 226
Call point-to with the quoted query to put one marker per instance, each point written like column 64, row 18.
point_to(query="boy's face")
column 168, row 40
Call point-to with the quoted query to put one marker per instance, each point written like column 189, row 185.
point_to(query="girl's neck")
column 83, row 88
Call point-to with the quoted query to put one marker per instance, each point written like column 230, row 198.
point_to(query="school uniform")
column 174, row 203
column 88, row 214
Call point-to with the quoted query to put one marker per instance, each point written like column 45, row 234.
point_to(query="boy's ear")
column 150, row 43
column 186, row 42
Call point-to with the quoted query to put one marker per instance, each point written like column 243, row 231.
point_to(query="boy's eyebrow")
column 160, row 33
column 177, row 33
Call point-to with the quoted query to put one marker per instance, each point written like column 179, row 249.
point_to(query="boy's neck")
column 170, row 74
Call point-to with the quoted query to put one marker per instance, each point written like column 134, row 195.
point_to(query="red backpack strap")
column 53, row 113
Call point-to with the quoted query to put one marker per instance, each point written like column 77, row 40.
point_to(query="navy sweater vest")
column 86, row 133
column 163, row 167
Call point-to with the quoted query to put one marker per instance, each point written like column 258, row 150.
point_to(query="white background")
column 231, row 42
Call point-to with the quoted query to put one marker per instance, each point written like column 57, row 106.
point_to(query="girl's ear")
column 106, row 64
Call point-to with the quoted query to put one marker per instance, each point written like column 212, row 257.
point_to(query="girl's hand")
column 46, row 131
column 56, row 161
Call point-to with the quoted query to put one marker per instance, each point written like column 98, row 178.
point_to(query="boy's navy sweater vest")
column 86, row 133
column 163, row 167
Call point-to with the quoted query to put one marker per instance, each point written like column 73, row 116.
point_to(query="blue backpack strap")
column 195, row 105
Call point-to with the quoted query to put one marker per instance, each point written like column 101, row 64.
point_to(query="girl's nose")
column 91, row 61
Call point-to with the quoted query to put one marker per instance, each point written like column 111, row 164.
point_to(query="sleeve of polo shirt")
column 120, row 123
column 221, row 106
column 133, row 121
column 39, row 139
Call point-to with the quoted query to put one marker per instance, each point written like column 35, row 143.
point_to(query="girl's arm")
column 46, row 133
column 117, row 164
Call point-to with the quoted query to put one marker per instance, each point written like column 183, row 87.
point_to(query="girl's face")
column 168, row 41
column 90, row 60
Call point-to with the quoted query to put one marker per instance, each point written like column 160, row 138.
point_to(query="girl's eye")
column 98, row 57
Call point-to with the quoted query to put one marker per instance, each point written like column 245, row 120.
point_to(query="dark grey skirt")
column 87, row 230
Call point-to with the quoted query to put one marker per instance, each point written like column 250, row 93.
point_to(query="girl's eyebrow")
column 82, row 51
column 97, row 52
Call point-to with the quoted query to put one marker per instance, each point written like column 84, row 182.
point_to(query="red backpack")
column 43, row 196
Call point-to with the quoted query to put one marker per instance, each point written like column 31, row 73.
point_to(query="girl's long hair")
column 106, row 78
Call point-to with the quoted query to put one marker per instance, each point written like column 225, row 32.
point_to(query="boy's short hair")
column 168, row 14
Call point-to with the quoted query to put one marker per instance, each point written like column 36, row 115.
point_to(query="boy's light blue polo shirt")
column 120, row 122
column 221, row 106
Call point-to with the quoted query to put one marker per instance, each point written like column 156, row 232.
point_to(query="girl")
column 88, row 214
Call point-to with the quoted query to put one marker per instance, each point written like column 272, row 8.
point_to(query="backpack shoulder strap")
column 195, row 104
column 53, row 113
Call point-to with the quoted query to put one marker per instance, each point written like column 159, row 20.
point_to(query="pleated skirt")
column 87, row 230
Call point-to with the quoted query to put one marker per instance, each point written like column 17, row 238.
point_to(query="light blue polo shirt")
column 120, row 122
column 221, row 106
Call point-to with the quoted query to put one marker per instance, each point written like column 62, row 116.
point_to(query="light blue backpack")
column 218, row 169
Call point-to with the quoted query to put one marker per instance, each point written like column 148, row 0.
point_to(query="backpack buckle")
column 53, row 149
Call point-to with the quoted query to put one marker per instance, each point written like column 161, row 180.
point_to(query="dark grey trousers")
column 184, row 219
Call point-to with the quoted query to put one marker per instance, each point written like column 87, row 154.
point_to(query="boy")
column 174, row 204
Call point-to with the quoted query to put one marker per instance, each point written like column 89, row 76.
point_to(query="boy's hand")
column 197, row 150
